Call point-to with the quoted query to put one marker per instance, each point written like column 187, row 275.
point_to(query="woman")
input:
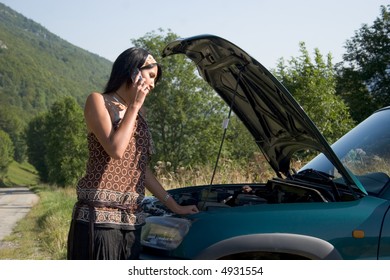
column 107, row 218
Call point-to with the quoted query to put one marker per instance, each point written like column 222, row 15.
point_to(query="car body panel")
column 313, row 219
column 285, row 228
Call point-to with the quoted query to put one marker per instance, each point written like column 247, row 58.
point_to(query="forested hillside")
column 37, row 67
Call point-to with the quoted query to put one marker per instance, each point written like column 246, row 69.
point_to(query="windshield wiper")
column 314, row 174
column 320, row 177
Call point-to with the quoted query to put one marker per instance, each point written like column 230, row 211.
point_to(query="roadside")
column 15, row 203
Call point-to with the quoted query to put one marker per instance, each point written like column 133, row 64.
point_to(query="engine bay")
column 236, row 195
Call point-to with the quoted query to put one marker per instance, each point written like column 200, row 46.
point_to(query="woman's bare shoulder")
column 95, row 100
column 95, row 97
column 95, row 111
column 95, row 104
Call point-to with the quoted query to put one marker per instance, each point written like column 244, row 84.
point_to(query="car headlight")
column 164, row 233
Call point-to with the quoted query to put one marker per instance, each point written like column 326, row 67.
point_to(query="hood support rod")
column 225, row 127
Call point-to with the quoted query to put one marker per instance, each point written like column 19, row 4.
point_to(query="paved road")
column 15, row 203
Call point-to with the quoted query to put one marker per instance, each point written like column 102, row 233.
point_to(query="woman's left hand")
column 187, row 209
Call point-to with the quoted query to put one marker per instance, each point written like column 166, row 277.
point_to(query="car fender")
column 302, row 245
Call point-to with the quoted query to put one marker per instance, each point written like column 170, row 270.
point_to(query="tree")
column 313, row 85
column 65, row 142
column 364, row 76
column 6, row 152
column 36, row 146
column 14, row 126
column 184, row 113
column 56, row 142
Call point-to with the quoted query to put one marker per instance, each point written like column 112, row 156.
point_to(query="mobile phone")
column 136, row 76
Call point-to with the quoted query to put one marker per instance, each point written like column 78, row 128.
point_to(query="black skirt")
column 108, row 243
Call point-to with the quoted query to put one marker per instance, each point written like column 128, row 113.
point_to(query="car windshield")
column 364, row 151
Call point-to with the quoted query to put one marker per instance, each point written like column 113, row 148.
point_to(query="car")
column 334, row 207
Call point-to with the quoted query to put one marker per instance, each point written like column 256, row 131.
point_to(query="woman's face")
column 149, row 76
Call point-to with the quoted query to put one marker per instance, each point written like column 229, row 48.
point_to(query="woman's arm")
column 98, row 118
column 99, row 122
column 154, row 186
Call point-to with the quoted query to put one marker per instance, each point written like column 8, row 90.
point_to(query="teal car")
column 334, row 207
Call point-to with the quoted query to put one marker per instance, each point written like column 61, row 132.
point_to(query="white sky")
column 266, row 29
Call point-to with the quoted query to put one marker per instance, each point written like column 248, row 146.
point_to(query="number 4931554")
column 236, row 270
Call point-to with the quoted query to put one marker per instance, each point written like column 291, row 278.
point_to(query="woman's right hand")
column 143, row 85
column 140, row 90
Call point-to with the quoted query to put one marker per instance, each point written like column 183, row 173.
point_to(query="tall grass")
column 227, row 171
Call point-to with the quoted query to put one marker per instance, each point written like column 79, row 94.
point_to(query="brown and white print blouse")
column 112, row 189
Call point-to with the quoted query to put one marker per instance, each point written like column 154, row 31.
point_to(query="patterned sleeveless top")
column 112, row 189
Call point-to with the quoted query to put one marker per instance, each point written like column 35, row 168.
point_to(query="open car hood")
column 277, row 122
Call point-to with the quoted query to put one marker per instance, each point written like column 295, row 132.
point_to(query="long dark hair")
column 127, row 62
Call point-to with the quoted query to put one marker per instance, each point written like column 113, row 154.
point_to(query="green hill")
column 37, row 67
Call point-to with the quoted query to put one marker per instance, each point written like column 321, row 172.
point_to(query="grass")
column 256, row 170
column 20, row 174
column 42, row 234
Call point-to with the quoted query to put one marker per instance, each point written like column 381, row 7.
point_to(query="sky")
column 266, row 29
